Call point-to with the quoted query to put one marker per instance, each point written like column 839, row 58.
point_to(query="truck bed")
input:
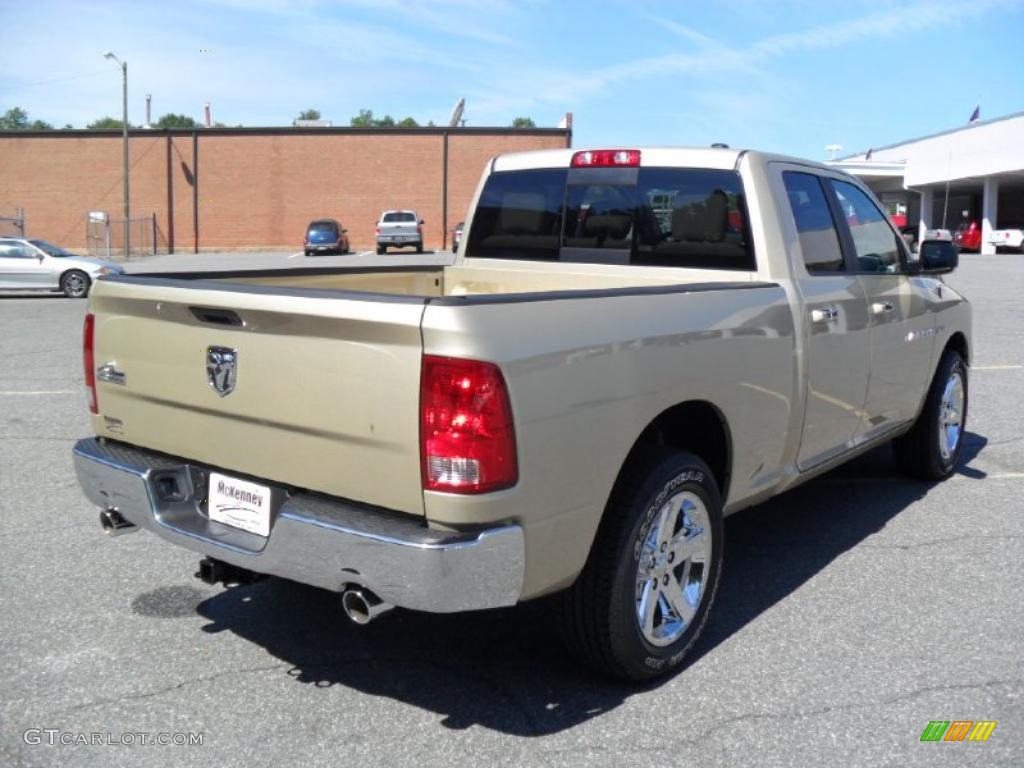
column 431, row 282
column 328, row 362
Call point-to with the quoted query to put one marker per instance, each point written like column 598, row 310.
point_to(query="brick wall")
column 255, row 188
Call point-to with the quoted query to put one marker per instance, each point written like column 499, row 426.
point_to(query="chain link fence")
column 13, row 226
column 105, row 237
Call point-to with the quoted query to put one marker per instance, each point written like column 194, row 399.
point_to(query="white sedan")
column 36, row 265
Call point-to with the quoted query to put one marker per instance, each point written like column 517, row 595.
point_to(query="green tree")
column 106, row 123
column 16, row 119
column 68, row 127
column 363, row 120
column 309, row 114
column 524, row 122
column 171, row 120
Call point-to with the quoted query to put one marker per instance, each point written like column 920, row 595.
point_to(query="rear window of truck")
column 666, row 217
column 399, row 216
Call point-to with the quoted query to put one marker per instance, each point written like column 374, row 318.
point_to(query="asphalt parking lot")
column 853, row 611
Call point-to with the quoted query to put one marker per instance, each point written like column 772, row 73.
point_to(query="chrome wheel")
column 951, row 412
column 673, row 569
column 76, row 285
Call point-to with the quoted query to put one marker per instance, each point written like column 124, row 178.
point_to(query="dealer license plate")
column 240, row 504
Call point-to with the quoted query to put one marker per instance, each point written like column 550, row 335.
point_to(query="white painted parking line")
column 30, row 392
column 992, row 476
column 996, row 367
column 896, row 479
column 297, row 253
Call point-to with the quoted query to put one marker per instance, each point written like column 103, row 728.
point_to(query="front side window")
column 49, row 248
column 874, row 242
column 819, row 242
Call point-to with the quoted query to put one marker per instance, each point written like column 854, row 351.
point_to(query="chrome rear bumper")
column 314, row 539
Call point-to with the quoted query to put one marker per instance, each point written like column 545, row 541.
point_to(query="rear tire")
column 932, row 447
column 381, row 250
column 647, row 587
column 75, row 284
column 419, row 247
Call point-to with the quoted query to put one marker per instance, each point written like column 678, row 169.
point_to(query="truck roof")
column 691, row 157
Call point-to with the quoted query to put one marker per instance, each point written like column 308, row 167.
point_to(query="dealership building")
column 236, row 188
column 974, row 173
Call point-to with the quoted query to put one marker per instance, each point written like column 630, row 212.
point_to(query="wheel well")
column 68, row 271
column 697, row 427
column 958, row 342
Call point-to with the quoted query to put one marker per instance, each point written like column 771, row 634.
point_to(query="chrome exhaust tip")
column 362, row 606
column 115, row 525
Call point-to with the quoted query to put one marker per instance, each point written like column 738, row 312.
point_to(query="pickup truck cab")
column 631, row 344
column 399, row 229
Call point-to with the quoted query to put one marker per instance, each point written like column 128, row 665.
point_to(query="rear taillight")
column 606, row 158
column 376, row 230
column 88, row 360
column 467, row 439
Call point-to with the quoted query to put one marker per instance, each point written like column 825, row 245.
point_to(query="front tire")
column 645, row 592
column 75, row 284
column 932, row 447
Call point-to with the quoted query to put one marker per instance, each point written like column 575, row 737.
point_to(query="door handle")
column 881, row 308
column 824, row 315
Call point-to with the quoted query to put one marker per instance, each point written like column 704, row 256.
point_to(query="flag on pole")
column 975, row 115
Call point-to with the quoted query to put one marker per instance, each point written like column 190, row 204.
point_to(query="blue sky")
column 786, row 75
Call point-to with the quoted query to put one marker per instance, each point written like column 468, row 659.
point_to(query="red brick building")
column 228, row 188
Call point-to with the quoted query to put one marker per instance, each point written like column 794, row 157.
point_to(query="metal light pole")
column 124, row 133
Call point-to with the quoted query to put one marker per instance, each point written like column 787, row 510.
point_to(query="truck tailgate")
column 326, row 390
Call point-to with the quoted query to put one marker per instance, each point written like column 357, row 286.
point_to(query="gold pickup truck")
column 631, row 344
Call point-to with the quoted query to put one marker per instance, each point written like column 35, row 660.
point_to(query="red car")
column 968, row 237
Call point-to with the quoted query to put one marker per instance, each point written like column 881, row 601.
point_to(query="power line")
column 65, row 79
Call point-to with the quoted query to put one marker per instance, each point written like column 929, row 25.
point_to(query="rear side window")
column 16, row 251
column 667, row 217
column 819, row 242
